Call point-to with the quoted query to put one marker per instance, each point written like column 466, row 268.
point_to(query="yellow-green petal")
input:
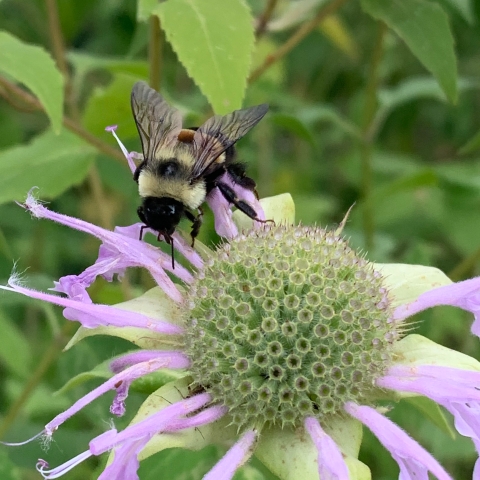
column 279, row 208
column 291, row 454
column 416, row 350
column 406, row 282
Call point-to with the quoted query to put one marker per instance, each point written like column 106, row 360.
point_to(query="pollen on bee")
column 186, row 135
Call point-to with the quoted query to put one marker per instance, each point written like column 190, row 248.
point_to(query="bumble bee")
column 181, row 167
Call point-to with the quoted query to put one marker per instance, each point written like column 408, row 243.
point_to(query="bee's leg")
column 243, row 206
column 196, row 223
column 142, row 228
column 238, row 175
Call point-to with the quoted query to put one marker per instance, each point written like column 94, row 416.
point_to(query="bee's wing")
column 220, row 132
column 157, row 122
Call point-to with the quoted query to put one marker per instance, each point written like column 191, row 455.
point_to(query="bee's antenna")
column 173, row 252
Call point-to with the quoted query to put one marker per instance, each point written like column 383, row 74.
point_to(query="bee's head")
column 161, row 214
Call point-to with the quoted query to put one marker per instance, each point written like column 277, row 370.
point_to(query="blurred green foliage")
column 371, row 102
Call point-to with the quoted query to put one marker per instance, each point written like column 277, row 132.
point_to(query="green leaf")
column 35, row 68
column 326, row 113
column 464, row 8
column 51, row 162
column 471, row 146
column 214, row 41
column 411, row 89
column 294, row 125
column 144, row 9
column 434, row 413
column 101, row 372
column 111, row 105
column 15, row 352
column 84, row 63
column 424, row 27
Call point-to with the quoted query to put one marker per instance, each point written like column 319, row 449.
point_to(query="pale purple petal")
column 234, row 458
column 127, row 155
column 414, row 461
column 437, row 382
column 118, row 407
column 165, row 360
column 244, row 194
column 155, row 423
column 222, row 213
column 92, row 315
column 130, row 251
column 133, row 231
column 129, row 359
column 209, row 415
column 128, row 443
column 465, row 295
column 222, row 208
column 125, row 463
column 454, row 389
column 331, row 465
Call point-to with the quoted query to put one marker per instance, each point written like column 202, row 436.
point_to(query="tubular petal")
column 167, row 360
column 414, row 461
column 130, row 250
column 222, row 213
column 465, row 295
column 124, row 150
column 125, row 463
column 209, row 415
column 42, row 466
column 234, row 458
column 92, row 315
column 454, row 389
column 156, row 423
column 331, row 465
column 125, row 361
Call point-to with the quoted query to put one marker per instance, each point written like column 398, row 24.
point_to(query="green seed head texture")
column 288, row 322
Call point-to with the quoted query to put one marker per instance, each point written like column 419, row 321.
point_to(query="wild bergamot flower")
column 287, row 339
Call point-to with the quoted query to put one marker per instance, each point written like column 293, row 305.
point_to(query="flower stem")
column 367, row 143
column 75, row 127
column 58, row 50
column 155, row 53
column 264, row 18
column 296, row 38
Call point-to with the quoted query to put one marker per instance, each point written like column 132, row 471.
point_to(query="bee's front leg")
column 196, row 223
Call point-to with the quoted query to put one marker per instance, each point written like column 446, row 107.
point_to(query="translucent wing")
column 220, row 132
column 157, row 122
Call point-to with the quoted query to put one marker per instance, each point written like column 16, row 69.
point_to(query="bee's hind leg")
column 196, row 223
column 242, row 205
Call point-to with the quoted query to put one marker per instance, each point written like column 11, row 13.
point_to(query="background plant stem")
column 295, row 39
column 370, row 107
column 155, row 53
